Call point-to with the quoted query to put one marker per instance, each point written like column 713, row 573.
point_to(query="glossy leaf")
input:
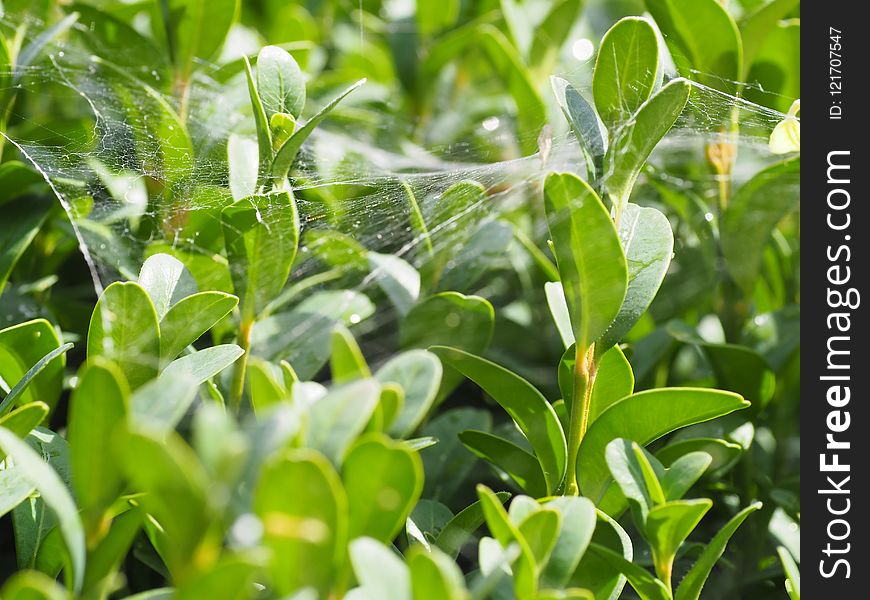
column 124, row 329
column 21, row 386
column 418, row 372
column 338, row 418
column 692, row 584
column 648, row 243
column 585, row 124
column 399, row 280
column 307, row 559
column 21, row 223
column 380, row 572
column 435, row 576
column 522, row 467
column 577, row 526
column 346, row 361
column 166, row 281
column 647, row 586
column 461, row 527
column 279, row 82
column 24, row 346
column 591, row 262
column 627, row 70
column 644, row 417
column 262, row 235
column 668, row 525
column 190, row 318
column 526, row 406
column 53, row 492
column 383, row 479
column 196, row 28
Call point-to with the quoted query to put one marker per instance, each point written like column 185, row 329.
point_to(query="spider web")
column 132, row 183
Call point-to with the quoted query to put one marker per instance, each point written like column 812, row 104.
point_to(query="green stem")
column 664, row 571
column 238, row 385
column 585, row 369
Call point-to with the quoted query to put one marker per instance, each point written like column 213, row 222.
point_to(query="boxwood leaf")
column 287, row 153
column 590, row 259
column 524, row 567
column 189, row 319
column 261, row 233
column 32, row 585
column 648, row 243
column 204, row 364
column 301, row 561
column 383, row 480
column 757, row 207
column 540, row 530
column 346, row 360
column 526, row 406
column 642, row 418
column 18, row 390
column 647, row 586
column 631, row 145
column 692, row 584
column 703, row 39
column 668, row 525
column 54, row 493
column 380, row 572
column 280, row 82
column 196, row 29
column 124, row 329
column 559, row 310
column 14, row 488
column 418, row 372
column 435, row 576
column 166, row 281
column 461, row 527
column 338, row 418
column 522, row 467
column 626, row 71
column 98, row 407
column 21, row 223
column 577, row 525
column 585, row 124
column 399, row 280
column 25, row 346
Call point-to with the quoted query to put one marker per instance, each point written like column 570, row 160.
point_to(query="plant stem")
column 238, row 385
column 664, row 570
column 585, row 369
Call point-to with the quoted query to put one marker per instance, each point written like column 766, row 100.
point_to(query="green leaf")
column 418, row 372
column 124, row 329
column 683, row 473
column 757, row 26
column 488, row 244
column 526, row 406
column 703, row 39
column 722, row 453
column 196, row 29
column 578, row 524
column 17, row 391
column 32, row 585
column 642, row 418
column 777, row 68
column 163, row 402
column 449, row 466
column 261, row 122
column 559, row 310
column 596, row 574
column 399, row 280
column 231, row 578
column 648, row 243
column 635, row 476
column 243, row 165
column 261, row 233
column 632, row 144
column 16, row 178
column 98, row 408
column 647, row 586
column 613, row 382
column 433, row 17
column 266, row 388
column 202, row 365
column 380, row 572
column 752, row 214
column 461, row 527
column 435, row 576
column 338, row 418
column 591, row 262
column 189, row 319
column 25, row 346
column 550, row 35
column 501, row 527
column 21, row 222
column 166, row 281
column 383, row 479
column 53, row 492
column 627, row 70
column 307, row 532
column 346, row 360
column 668, row 525
column 174, row 483
column 14, row 488
column 464, row 322
column 792, row 573
column 540, row 530
column 585, row 124
column 105, row 558
column 692, row 584
column 287, row 153
column 522, row 467
column 280, row 82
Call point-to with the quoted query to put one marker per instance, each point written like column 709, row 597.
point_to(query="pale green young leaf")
column 124, row 329
column 435, row 576
column 280, row 82
column 578, row 524
column 166, row 281
column 339, row 417
column 418, row 372
column 668, row 525
column 380, row 572
column 627, row 70
column 346, row 359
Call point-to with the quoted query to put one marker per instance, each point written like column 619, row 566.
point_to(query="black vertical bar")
column 834, row 237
